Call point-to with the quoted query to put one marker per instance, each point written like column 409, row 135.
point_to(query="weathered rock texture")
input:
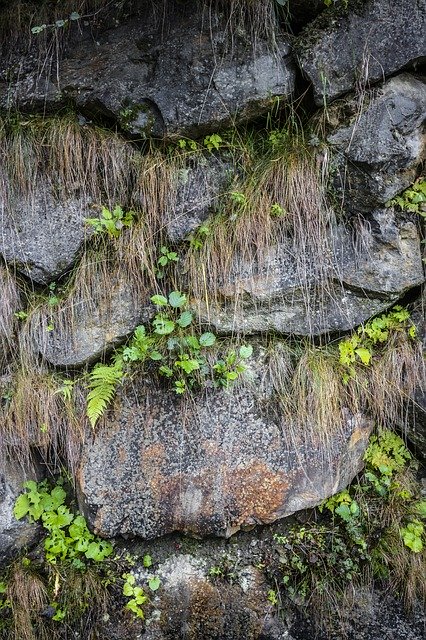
column 41, row 235
column 211, row 466
column 380, row 151
column 181, row 78
column 369, row 271
column 361, row 45
column 14, row 535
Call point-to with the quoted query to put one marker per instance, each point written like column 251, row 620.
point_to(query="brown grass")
column 28, row 598
column 10, row 301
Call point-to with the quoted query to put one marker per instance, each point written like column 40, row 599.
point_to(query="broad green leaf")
column 177, row 299
column 127, row 589
column 246, row 351
column 159, row 301
column 22, row 506
column 154, row 583
column 185, row 319
column 207, row 339
column 364, row 355
column 163, row 326
column 147, row 561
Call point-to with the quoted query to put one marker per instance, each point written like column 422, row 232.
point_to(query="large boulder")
column 379, row 151
column 371, row 39
column 41, row 235
column 14, row 534
column 223, row 461
column 364, row 276
column 180, row 76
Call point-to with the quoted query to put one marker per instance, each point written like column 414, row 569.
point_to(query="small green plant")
column 198, row 237
column 136, row 594
column 277, row 211
column 187, row 144
column 68, row 537
column 213, row 142
column 413, row 198
column 360, row 347
column 111, row 222
column 59, row 24
column 238, row 198
column 103, row 382
column 166, row 259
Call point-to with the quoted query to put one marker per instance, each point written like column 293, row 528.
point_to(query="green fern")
column 103, row 381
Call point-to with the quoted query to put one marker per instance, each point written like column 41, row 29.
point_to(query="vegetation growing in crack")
column 180, row 353
column 376, row 525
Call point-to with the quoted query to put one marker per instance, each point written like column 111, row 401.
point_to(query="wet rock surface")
column 373, row 40
column 380, row 153
column 180, row 77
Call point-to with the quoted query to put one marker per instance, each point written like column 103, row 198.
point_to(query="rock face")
column 14, row 534
column 287, row 296
column 384, row 147
column 10, row 304
column 175, row 78
column 94, row 327
column 372, row 38
column 210, row 467
column 200, row 184
column 42, row 237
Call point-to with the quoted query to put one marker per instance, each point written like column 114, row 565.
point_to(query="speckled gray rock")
column 177, row 76
column 361, row 277
column 343, row 49
column 220, row 462
column 14, row 534
column 200, row 184
column 9, row 305
column 380, row 151
column 92, row 328
column 42, row 236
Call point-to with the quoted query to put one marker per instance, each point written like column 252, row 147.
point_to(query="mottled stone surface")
column 42, row 236
column 365, row 272
column 179, row 76
column 379, row 153
column 209, row 466
column 343, row 49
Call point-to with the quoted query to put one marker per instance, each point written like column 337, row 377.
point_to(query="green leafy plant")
column 187, row 143
column 166, row 259
column 103, row 382
column 198, row 237
column 412, row 199
column 59, row 24
column 111, row 222
column 213, row 142
column 136, row 594
column 360, row 347
column 277, row 211
column 68, row 537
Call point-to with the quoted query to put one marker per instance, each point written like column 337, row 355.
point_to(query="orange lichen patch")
column 257, row 493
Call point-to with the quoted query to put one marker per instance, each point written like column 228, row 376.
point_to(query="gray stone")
column 287, row 294
column 84, row 331
column 200, row 184
column 9, row 304
column 211, row 466
column 42, row 236
column 378, row 155
column 15, row 535
column 344, row 49
column 176, row 77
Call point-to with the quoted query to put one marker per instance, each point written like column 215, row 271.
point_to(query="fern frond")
column 103, row 382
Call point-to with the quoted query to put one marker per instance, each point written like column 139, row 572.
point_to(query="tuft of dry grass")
column 28, row 597
column 282, row 210
column 10, row 303
column 71, row 160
